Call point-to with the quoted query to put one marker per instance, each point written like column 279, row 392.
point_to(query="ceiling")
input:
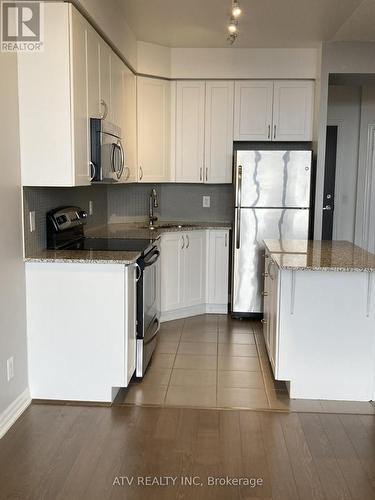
column 264, row 23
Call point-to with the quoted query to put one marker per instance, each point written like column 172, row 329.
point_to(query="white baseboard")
column 187, row 312
column 14, row 411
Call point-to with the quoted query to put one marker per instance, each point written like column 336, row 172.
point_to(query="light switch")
column 206, row 201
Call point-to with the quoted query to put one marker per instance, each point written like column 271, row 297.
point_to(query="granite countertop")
column 340, row 256
column 142, row 229
column 135, row 230
column 84, row 257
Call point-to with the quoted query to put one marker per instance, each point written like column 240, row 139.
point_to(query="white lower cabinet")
column 218, row 270
column 81, row 333
column 194, row 273
column 271, row 312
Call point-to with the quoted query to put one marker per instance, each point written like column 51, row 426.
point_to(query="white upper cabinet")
column 219, row 132
column 253, row 110
column 267, row 110
column 129, row 133
column 105, row 80
column 93, row 74
column 190, row 99
column 53, row 104
column 293, row 110
column 153, row 113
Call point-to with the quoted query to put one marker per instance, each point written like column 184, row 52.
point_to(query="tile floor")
column 213, row 361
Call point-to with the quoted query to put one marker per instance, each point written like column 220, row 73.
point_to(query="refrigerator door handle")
column 238, row 228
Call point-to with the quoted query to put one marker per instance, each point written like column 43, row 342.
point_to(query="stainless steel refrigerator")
column 272, row 201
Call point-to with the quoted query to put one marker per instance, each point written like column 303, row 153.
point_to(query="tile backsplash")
column 180, row 202
column 126, row 203
column 42, row 199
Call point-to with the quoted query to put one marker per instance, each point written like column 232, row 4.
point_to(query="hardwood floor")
column 79, row 452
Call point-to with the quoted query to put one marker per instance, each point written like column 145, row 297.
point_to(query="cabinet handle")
column 139, row 272
column 92, row 171
column 140, row 173
column 265, row 275
column 103, row 116
column 264, row 294
column 206, row 174
column 226, row 240
column 201, row 174
column 274, row 131
column 188, row 242
column 263, row 321
column 183, row 242
column 269, row 131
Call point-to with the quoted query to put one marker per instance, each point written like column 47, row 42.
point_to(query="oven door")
column 148, row 308
column 112, row 159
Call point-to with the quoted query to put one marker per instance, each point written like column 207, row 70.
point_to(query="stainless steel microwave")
column 107, row 152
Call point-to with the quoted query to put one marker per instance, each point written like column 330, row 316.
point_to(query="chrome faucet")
column 152, row 203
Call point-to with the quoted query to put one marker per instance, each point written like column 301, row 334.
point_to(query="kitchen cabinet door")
column 219, row 132
column 80, row 132
column 218, row 267
column 52, row 87
column 253, row 110
column 273, row 317
column 93, row 74
column 266, row 304
column 153, row 114
column 195, row 268
column 105, row 81
column 293, row 110
column 130, row 321
column 190, row 117
column 117, row 92
column 129, row 133
column 172, row 271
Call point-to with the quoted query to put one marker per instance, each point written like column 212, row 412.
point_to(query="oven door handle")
column 150, row 338
column 153, row 259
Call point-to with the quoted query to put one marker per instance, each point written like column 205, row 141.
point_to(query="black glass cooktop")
column 111, row 244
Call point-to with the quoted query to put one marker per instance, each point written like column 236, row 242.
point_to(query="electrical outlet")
column 91, row 207
column 10, row 368
column 206, row 201
column 32, row 221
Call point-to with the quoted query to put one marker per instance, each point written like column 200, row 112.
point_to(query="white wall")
column 153, row 59
column 365, row 216
column 12, row 270
column 244, row 63
column 109, row 16
column 344, row 110
column 227, row 63
column 337, row 57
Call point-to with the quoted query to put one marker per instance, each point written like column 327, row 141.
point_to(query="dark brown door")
column 329, row 183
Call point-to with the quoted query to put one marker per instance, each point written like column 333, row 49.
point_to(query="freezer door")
column 251, row 228
column 273, row 179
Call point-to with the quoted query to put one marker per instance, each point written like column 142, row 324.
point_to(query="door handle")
column 327, row 207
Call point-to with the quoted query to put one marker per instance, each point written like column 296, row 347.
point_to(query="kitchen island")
column 319, row 318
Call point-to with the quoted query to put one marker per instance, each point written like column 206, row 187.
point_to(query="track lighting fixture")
column 236, row 9
column 233, row 22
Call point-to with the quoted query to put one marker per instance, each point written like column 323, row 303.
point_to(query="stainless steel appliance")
column 107, row 153
column 65, row 230
column 148, row 307
column 272, row 201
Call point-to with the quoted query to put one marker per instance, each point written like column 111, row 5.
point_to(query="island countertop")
column 316, row 255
